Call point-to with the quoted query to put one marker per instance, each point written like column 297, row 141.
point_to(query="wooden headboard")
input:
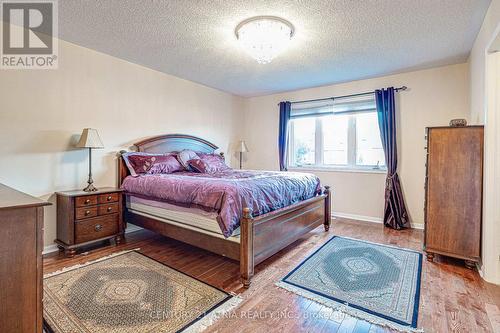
column 166, row 144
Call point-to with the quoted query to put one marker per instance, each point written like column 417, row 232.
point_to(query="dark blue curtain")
column 285, row 108
column 395, row 213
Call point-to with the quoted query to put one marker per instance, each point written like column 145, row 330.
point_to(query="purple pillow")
column 208, row 163
column 144, row 163
column 185, row 156
column 166, row 164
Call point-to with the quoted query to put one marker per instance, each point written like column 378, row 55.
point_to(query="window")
column 305, row 142
column 369, row 151
column 335, row 139
column 342, row 134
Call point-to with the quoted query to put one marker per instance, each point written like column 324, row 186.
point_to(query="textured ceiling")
column 335, row 41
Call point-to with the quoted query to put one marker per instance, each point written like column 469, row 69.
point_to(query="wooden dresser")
column 21, row 246
column 454, row 189
column 88, row 217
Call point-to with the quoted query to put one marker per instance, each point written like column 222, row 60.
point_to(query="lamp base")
column 90, row 188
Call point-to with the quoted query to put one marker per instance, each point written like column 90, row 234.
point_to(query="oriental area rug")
column 374, row 282
column 129, row 293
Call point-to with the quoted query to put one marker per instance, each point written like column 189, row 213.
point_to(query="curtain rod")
column 402, row 88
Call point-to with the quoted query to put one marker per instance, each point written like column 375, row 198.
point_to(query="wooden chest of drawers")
column 21, row 245
column 84, row 218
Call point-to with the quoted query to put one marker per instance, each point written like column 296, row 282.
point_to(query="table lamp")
column 90, row 139
column 242, row 148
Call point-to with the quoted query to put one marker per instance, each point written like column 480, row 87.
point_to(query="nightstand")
column 84, row 218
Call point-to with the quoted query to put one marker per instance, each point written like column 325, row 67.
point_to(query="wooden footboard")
column 260, row 237
column 263, row 236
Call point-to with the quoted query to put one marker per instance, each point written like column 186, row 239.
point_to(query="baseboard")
column 53, row 247
column 417, row 226
column 371, row 219
column 132, row 228
column 357, row 217
column 479, row 268
column 49, row 249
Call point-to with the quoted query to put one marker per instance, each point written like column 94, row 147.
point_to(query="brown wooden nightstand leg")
column 430, row 256
column 70, row 253
column 119, row 239
column 470, row 264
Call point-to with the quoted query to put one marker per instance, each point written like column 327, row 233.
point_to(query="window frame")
column 319, row 165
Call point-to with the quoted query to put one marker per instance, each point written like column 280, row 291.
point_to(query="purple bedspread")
column 227, row 192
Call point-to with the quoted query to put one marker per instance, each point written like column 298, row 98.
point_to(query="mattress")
column 194, row 218
column 227, row 192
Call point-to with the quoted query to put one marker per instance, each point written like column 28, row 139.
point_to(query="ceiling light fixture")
column 264, row 37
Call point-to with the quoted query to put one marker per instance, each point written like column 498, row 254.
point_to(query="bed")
column 251, row 239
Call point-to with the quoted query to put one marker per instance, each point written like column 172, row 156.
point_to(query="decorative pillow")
column 166, row 164
column 185, row 156
column 139, row 163
column 208, row 163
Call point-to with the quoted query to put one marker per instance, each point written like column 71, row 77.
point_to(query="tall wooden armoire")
column 453, row 198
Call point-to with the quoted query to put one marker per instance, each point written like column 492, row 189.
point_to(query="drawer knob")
column 98, row 227
column 110, row 209
column 87, row 201
column 87, row 212
column 109, row 198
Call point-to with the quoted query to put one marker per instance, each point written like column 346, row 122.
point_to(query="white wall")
column 44, row 111
column 485, row 109
column 477, row 60
column 491, row 208
column 434, row 97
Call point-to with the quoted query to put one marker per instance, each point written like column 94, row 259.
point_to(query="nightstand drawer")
column 110, row 197
column 108, row 209
column 87, row 200
column 85, row 212
column 94, row 228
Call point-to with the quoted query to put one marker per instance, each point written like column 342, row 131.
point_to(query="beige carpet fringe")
column 212, row 317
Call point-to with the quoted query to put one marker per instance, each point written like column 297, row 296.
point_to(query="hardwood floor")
column 453, row 298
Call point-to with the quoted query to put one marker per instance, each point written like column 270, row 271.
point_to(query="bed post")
column 122, row 168
column 328, row 208
column 246, row 247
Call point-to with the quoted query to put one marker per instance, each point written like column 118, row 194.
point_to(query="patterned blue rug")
column 374, row 282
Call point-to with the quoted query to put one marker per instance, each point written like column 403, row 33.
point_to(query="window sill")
column 339, row 169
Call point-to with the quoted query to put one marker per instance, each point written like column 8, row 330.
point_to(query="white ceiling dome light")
column 264, row 37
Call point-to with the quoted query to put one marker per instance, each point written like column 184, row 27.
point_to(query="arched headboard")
column 175, row 142
column 166, row 144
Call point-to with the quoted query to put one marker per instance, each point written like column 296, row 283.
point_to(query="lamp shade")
column 89, row 139
column 242, row 147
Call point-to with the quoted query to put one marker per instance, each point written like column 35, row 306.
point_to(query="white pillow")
column 186, row 155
